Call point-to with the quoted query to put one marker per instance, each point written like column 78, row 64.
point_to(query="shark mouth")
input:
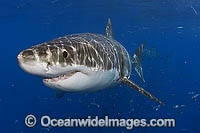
column 61, row 77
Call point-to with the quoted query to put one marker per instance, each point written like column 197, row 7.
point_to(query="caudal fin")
column 137, row 59
column 140, row 89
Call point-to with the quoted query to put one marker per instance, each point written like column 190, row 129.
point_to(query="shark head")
column 63, row 65
column 46, row 61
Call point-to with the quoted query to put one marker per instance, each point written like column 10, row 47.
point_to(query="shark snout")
column 26, row 56
column 19, row 56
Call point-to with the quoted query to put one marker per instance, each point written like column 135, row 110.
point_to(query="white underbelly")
column 87, row 81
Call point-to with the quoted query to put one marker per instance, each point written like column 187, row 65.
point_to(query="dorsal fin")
column 109, row 32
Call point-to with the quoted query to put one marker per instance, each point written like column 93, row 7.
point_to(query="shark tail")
column 137, row 59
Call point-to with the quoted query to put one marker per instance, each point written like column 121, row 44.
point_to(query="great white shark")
column 83, row 62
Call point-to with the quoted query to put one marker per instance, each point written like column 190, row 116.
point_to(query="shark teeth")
column 61, row 77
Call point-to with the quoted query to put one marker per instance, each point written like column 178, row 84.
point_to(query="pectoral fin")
column 59, row 94
column 140, row 89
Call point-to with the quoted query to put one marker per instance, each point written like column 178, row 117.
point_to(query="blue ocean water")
column 170, row 28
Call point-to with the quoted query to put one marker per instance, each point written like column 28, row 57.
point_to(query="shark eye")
column 65, row 54
column 48, row 64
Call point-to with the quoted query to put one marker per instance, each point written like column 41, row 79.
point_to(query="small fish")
column 83, row 62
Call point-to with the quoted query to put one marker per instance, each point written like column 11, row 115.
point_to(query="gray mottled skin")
column 92, row 50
